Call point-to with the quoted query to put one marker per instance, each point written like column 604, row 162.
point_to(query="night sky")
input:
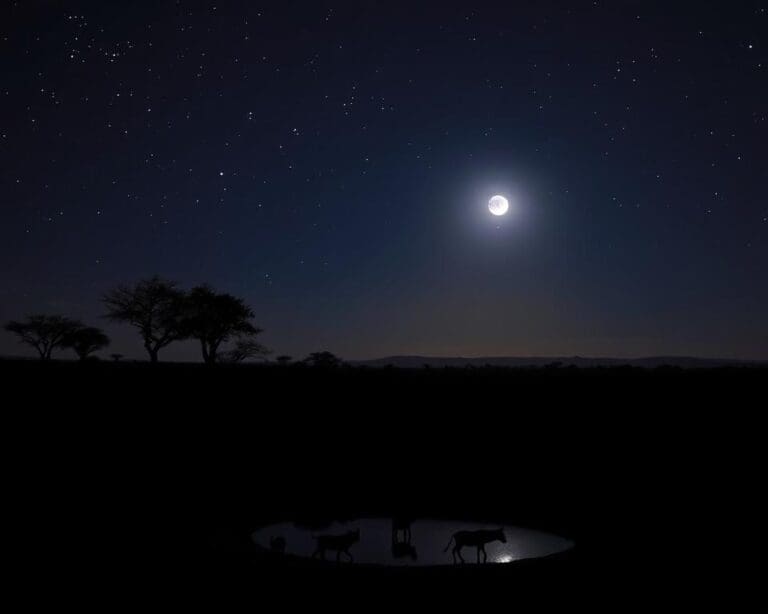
column 332, row 163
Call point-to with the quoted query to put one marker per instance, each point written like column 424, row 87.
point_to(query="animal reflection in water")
column 402, row 548
column 477, row 539
column 337, row 543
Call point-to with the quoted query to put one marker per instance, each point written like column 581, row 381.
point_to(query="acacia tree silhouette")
column 85, row 341
column 214, row 318
column 153, row 306
column 44, row 333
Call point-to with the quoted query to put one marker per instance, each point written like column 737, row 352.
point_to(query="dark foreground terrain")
column 132, row 482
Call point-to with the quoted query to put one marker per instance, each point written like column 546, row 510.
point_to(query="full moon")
column 498, row 205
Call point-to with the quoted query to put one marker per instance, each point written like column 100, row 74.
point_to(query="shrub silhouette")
column 245, row 349
column 325, row 360
column 153, row 306
column 44, row 332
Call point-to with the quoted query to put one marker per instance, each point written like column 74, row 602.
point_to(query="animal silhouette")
column 337, row 543
column 477, row 539
column 399, row 524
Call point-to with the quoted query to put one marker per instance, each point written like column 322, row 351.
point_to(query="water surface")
column 427, row 544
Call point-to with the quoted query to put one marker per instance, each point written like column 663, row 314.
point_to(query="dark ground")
column 125, row 477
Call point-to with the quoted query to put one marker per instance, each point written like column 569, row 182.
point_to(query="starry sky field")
column 332, row 163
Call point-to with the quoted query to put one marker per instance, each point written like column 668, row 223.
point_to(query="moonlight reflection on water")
column 430, row 542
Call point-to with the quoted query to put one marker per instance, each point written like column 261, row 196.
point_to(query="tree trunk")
column 152, row 355
column 212, row 354
column 206, row 354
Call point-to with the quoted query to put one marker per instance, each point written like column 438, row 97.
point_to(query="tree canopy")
column 44, row 332
column 86, row 340
column 214, row 318
column 154, row 306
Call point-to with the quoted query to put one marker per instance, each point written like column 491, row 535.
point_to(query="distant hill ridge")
column 416, row 362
